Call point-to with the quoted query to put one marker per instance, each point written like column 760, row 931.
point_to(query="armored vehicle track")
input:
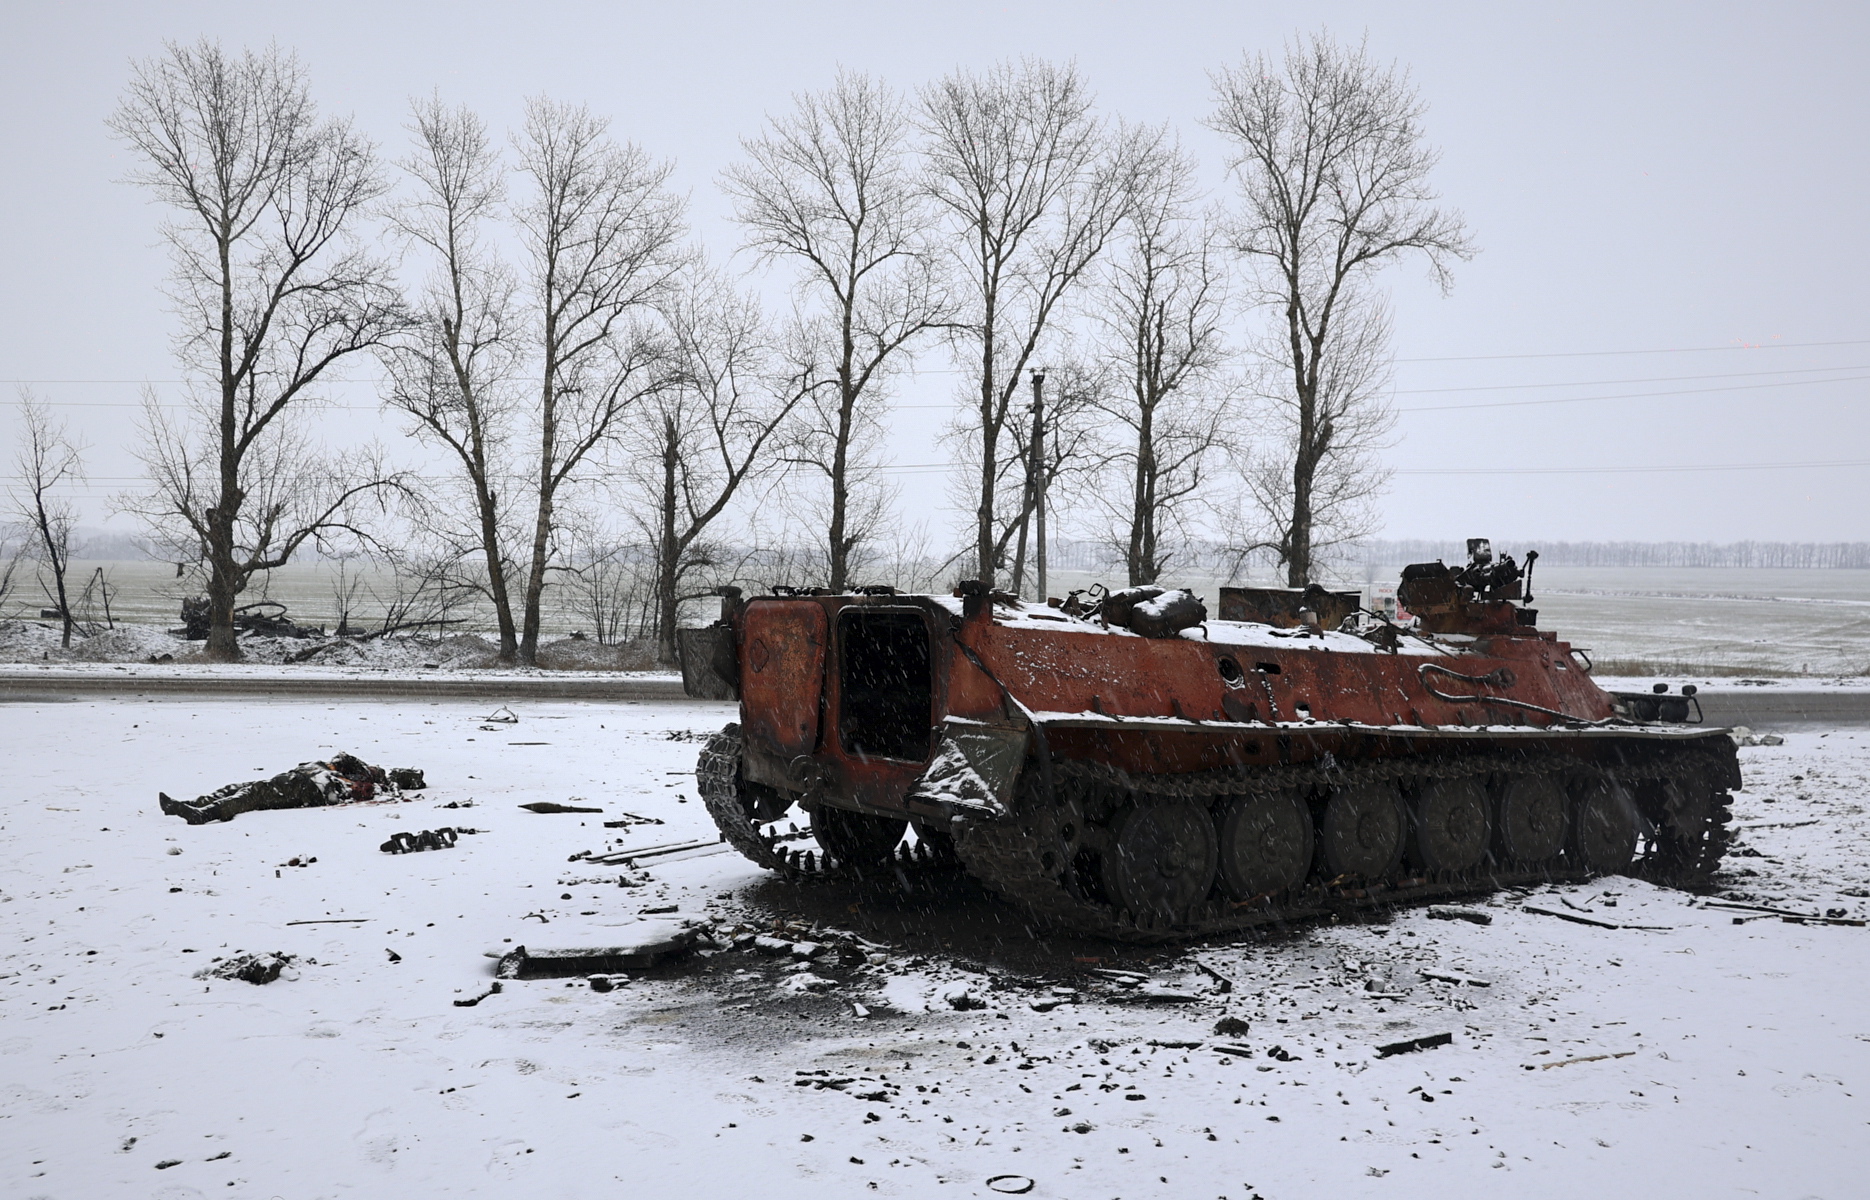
column 1105, row 853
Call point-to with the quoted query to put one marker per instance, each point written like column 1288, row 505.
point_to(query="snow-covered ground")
column 1736, row 1051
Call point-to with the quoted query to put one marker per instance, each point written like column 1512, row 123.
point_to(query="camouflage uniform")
column 343, row 779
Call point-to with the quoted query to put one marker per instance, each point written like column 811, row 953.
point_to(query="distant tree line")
column 1630, row 554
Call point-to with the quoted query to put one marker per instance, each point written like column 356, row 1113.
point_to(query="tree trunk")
column 542, row 524
column 1142, row 555
column 59, row 563
column 224, row 587
column 989, row 447
column 1304, row 471
column 668, row 553
column 1305, row 369
column 497, row 591
column 535, row 578
column 840, row 485
column 496, row 575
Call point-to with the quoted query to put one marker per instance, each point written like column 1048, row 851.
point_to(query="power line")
column 1791, row 466
column 1614, row 353
column 322, row 407
column 1739, row 387
column 1505, row 387
column 947, row 466
column 1439, row 358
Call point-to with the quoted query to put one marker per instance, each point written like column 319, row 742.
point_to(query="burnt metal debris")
column 404, row 842
column 342, row 780
column 656, row 944
column 1413, row 1044
column 1118, row 764
column 250, row 968
column 265, row 618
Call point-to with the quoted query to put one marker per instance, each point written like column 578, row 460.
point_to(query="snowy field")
column 1703, row 1058
column 1636, row 620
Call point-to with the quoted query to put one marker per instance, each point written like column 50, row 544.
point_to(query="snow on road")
column 1703, row 1059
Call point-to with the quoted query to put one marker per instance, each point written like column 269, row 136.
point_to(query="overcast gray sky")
column 1681, row 184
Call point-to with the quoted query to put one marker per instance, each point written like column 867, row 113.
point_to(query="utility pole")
column 1038, row 479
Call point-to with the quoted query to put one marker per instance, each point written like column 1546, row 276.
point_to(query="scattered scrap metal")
column 1566, row 1062
column 265, row 618
column 1413, row 1044
column 1579, row 919
column 404, row 842
column 251, row 968
column 492, row 990
column 656, row 942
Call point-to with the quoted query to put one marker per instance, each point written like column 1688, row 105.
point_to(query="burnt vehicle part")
column 1231, row 774
column 263, row 618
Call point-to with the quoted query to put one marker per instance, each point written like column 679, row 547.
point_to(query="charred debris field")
column 852, row 1039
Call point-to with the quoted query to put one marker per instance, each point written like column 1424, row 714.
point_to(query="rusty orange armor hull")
column 1228, row 773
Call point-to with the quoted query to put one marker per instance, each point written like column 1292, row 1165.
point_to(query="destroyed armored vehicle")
column 1131, row 769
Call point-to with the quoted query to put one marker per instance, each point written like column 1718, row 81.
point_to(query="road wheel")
column 857, row 839
column 1161, row 859
column 1363, row 831
column 1603, row 827
column 1531, row 826
column 1689, row 837
column 1266, row 844
column 1451, row 826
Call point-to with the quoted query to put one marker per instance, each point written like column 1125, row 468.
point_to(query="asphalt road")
column 1782, row 706
column 1774, row 706
column 16, row 686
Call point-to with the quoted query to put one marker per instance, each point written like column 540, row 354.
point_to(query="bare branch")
column 1332, row 173
column 1032, row 188
column 829, row 190
column 48, row 460
column 271, row 296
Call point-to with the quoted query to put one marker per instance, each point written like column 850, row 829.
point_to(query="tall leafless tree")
column 1352, row 421
column 48, row 460
column 272, row 298
column 1332, row 173
column 831, row 188
column 1160, row 311
column 603, row 237
column 690, row 448
column 1032, row 187
column 456, row 369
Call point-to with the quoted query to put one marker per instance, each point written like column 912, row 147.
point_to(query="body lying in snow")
column 342, row 780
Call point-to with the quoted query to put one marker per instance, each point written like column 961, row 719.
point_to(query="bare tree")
column 609, row 585
column 830, row 187
column 602, row 234
column 455, row 369
column 1032, row 188
column 1160, row 310
column 1353, row 419
column 691, row 447
column 272, row 298
column 47, row 461
column 1328, row 154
